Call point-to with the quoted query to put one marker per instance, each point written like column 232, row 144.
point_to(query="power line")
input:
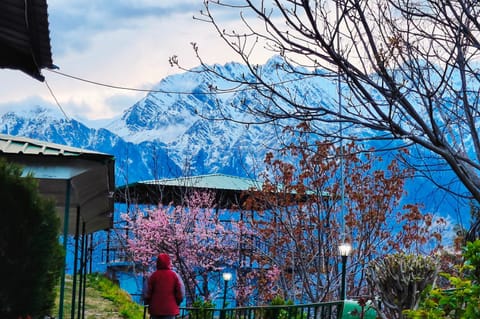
column 240, row 87
column 215, row 90
column 56, row 100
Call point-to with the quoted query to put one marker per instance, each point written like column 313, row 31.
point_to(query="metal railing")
column 323, row 310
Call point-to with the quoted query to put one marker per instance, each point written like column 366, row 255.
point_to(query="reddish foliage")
column 299, row 218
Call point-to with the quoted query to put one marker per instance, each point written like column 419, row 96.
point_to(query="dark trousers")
column 162, row 317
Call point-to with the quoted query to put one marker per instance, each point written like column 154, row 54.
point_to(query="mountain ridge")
column 167, row 133
column 173, row 131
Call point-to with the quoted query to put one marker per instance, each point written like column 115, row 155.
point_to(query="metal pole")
column 65, row 240
column 82, row 274
column 75, row 262
column 225, row 286
column 90, row 252
column 225, row 293
column 84, row 270
column 343, row 292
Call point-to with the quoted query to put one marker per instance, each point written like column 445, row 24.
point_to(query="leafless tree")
column 408, row 68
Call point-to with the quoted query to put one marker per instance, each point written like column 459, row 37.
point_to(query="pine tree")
column 30, row 254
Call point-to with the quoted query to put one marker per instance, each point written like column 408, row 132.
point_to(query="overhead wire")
column 240, row 87
column 214, row 91
column 34, row 59
column 120, row 87
column 56, row 100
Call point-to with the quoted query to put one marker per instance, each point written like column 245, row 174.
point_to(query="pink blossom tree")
column 201, row 240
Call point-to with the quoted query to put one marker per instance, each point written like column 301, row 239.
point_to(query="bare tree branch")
column 409, row 67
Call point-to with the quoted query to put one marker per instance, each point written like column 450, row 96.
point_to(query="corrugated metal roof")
column 230, row 191
column 25, row 36
column 76, row 179
column 22, row 145
column 211, row 181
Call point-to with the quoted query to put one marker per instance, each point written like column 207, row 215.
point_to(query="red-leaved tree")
column 301, row 217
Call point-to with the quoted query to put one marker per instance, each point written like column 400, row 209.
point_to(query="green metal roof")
column 211, row 181
column 229, row 190
column 22, row 145
column 76, row 179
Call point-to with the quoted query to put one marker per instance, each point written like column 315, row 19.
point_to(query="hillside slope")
column 104, row 300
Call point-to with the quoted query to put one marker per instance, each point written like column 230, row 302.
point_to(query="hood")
column 163, row 262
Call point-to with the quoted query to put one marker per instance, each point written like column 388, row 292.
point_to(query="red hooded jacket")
column 165, row 289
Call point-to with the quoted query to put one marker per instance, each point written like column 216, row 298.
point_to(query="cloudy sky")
column 123, row 43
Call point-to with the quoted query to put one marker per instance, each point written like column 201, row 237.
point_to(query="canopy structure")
column 25, row 36
column 81, row 182
column 229, row 190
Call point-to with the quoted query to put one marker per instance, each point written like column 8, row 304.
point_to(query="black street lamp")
column 344, row 251
column 226, row 278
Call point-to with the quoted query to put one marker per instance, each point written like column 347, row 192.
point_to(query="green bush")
column 30, row 254
column 278, row 312
column 120, row 298
column 460, row 302
column 204, row 309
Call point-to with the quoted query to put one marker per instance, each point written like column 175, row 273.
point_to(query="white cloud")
column 122, row 43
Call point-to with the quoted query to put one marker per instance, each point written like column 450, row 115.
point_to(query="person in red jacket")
column 165, row 290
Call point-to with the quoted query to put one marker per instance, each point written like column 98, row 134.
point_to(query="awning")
column 78, row 180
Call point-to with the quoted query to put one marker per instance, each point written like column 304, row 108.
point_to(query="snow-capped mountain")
column 169, row 132
column 50, row 125
column 175, row 130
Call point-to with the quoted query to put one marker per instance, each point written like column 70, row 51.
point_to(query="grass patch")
column 103, row 300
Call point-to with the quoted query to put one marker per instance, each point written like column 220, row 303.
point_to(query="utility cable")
column 214, row 91
column 56, row 100
column 34, row 59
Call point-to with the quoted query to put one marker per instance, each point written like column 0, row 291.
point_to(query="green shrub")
column 30, row 254
column 460, row 302
column 120, row 298
column 204, row 309
column 278, row 312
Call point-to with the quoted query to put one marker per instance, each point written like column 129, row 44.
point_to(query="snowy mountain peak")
column 38, row 111
column 169, row 131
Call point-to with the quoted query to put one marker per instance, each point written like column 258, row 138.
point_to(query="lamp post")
column 344, row 250
column 226, row 278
